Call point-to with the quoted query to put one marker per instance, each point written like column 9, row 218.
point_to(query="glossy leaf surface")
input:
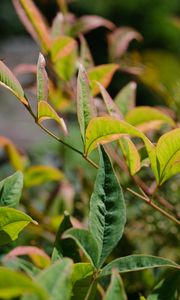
column 12, row 222
column 11, row 189
column 137, row 262
column 107, row 209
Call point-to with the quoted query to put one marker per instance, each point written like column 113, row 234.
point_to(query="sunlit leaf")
column 9, row 81
column 126, row 97
column 64, row 54
column 111, row 106
column 168, row 154
column 133, row 263
column 143, row 116
column 37, row 22
column 37, row 255
column 45, row 112
column 115, row 290
column 14, row 156
column 11, row 189
column 12, row 222
column 88, row 23
column 103, row 74
column 106, row 207
column 42, row 79
column 37, row 175
column 103, row 130
column 131, row 154
column 119, row 40
column 14, row 284
column 86, row 242
column 85, row 106
column 85, row 53
column 81, row 270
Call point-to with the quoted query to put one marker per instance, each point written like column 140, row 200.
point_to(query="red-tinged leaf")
column 45, row 112
column 85, row 55
column 38, row 22
column 85, row 106
column 64, row 54
column 57, row 28
column 37, row 255
column 37, row 175
column 148, row 118
column 90, row 22
column 42, row 79
column 119, row 40
column 16, row 159
column 131, row 154
column 126, row 98
column 102, row 74
column 111, row 106
column 9, row 81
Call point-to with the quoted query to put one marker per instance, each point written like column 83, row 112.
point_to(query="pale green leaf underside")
column 136, row 263
column 42, row 79
column 115, row 290
column 107, row 209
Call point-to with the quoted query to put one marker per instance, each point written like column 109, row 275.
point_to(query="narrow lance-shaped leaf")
column 86, row 242
column 125, row 99
column 102, row 130
column 136, row 263
column 14, row 284
column 115, row 290
column 85, row 107
column 85, row 53
column 9, row 81
column 37, row 175
column 45, row 111
column 145, row 117
column 12, row 222
column 102, row 74
column 131, row 154
column 11, row 189
column 168, row 154
column 107, row 209
column 57, row 28
column 42, row 79
column 38, row 22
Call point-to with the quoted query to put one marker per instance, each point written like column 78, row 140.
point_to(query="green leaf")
column 146, row 117
column 64, row 54
column 107, row 209
column 36, row 20
column 42, row 79
column 85, row 107
column 111, row 106
column 9, row 81
column 168, row 288
column 12, row 222
column 14, row 284
column 57, row 27
column 85, row 53
column 37, row 175
column 115, row 290
column 131, row 154
column 65, row 247
column 168, row 154
column 11, row 189
column 102, row 74
column 86, row 242
column 45, row 112
column 125, row 99
column 137, row 262
column 81, row 271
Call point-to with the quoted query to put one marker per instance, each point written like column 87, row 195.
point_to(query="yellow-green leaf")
column 37, row 175
column 42, row 79
column 131, row 154
column 64, row 54
column 12, row 222
column 168, row 154
column 102, row 74
column 145, row 117
column 126, row 97
column 9, row 81
column 45, row 112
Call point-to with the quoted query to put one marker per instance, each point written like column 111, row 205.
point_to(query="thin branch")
column 150, row 203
